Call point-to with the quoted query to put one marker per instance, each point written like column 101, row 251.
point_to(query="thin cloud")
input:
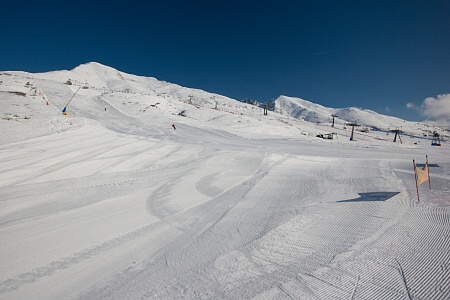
column 436, row 110
column 411, row 105
column 323, row 52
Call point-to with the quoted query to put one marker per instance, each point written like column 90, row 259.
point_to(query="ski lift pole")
column 65, row 107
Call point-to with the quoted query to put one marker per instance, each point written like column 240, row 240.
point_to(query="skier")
column 173, row 126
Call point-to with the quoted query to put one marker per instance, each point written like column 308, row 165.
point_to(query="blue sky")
column 379, row 55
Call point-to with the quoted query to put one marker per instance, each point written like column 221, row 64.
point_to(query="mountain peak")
column 96, row 68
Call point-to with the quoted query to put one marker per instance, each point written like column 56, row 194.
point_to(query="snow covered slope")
column 110, row 201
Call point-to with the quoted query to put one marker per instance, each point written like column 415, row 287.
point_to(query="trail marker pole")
column 420, row 177
column 415, row 176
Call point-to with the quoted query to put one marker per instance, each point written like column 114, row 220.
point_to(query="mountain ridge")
column 97, row 76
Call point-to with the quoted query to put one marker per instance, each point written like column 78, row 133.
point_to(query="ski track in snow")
column 112, row 205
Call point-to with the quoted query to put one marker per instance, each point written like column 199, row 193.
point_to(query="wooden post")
column 415, row 177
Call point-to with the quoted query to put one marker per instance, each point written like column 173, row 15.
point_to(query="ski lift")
column 436, row 140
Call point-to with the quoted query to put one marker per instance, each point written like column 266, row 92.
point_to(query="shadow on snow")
column 372, row 196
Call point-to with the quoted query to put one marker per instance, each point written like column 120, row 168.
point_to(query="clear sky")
column 379, row 55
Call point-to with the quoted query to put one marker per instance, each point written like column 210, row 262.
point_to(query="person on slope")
column 173, row 126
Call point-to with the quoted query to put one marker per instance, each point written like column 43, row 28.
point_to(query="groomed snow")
column 110, row 202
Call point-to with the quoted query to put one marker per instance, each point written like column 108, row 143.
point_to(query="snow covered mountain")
column 312, row 112
column 107, row 81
